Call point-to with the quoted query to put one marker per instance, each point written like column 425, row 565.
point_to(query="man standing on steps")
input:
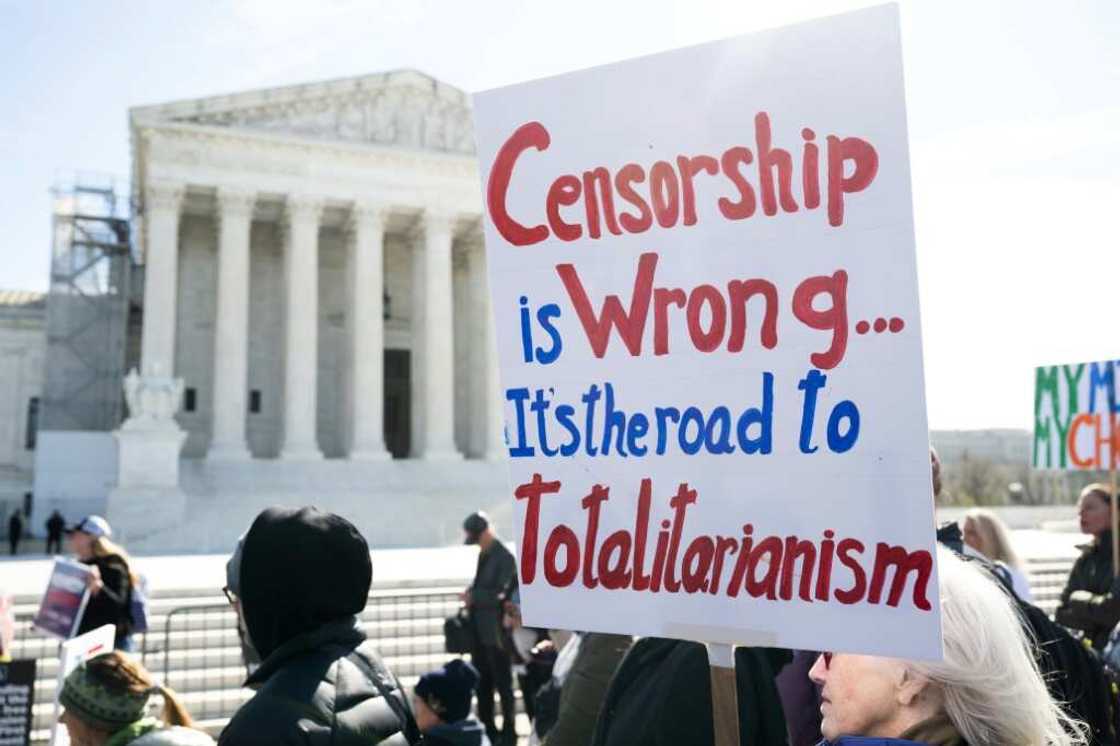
column 495, row 573
column 55, row 526
column 15, row 531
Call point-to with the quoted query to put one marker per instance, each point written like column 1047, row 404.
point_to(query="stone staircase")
column 192, row 645
column 1048, row 578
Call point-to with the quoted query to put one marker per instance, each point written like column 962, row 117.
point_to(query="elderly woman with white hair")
column 986, row 692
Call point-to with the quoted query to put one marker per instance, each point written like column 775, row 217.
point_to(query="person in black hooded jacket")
column 303, row 576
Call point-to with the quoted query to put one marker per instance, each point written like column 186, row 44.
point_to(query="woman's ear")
column 911, row 687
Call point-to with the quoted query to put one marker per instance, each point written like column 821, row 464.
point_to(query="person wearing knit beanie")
column 106, row 704
column 442, row 704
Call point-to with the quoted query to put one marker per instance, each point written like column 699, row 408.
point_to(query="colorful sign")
column 60, row 612
column 703, row 273
column 1077, row 416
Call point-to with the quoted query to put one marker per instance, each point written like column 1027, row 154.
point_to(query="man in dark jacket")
column 495, row 573
column 304, row 576
column 15, row 531
column 55, row 525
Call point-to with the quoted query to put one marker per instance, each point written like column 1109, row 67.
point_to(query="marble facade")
column 315, row 274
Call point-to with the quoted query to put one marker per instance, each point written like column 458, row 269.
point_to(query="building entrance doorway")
column 398, row 403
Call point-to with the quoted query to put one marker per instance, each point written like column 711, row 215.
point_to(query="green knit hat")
column 89, row 700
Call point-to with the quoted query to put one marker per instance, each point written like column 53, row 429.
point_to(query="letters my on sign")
column 703, row 275
column 1077, row 416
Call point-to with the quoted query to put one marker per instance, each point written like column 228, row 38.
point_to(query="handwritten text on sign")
column 1077, row 416
column 702, row 269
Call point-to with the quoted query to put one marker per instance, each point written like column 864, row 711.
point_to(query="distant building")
column 313, row 325
column 1006, row 446
column 22, row 345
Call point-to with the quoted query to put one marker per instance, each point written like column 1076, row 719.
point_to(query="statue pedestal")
column 147, row 497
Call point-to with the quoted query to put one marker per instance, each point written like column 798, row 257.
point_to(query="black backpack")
column 1073, row 673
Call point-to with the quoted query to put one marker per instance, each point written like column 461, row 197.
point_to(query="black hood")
column 300, row 569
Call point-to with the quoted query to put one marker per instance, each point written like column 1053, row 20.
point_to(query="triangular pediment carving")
column 404, row 108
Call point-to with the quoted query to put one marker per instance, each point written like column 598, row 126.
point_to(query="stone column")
column 494, row 444
column 146, row 496
column 438, row 340
column 162, row 202
column 301, row 276
column 367, row 332
column 231, row 333
column 417, row 313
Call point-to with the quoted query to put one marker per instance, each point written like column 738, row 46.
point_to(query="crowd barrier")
column 193, row 646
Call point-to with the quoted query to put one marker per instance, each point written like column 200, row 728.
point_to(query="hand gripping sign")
column 703, row 276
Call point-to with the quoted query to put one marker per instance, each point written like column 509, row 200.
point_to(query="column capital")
column 438, row 219
column 164, row 195
column 368, row 213
column 304, row 207
column 236, row 201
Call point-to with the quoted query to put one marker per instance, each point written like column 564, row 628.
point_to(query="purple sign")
column 65, row 599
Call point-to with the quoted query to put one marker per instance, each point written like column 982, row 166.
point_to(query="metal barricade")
column 202, row 658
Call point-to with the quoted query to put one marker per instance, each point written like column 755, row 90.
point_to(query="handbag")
column 458, row 632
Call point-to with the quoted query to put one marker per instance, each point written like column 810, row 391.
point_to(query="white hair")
column 989, row 682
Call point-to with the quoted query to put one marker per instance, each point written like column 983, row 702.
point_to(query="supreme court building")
column 315, row 302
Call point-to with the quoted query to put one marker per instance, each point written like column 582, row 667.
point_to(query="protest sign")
column 703, row 275
column 7, row 626
column 1076, row 408
column 70, row 654
column 17, row 698
column 60, row 612
column 1077, row 424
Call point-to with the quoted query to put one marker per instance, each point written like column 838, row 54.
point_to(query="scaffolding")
column 88, row 306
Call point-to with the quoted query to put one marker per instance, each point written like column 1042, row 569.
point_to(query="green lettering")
column 1045, row 382
column 1072, row 381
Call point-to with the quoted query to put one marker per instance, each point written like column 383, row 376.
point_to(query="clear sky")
column 1014, row 114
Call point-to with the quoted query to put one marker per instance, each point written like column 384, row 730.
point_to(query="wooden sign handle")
column 1115, row 533
column 1113, row 456
column 725, row 696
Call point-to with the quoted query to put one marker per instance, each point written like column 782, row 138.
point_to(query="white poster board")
column 1076, row 413
column 70, row 654
column 703, row 277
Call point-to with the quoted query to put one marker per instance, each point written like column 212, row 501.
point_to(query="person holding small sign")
column 111, row 582
column 1091, row 599
column 986, row 692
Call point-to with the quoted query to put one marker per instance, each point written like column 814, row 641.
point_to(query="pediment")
column 404, row 108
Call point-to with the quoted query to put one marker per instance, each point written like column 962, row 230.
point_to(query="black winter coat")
column 494, row 574
column 661, row 695
column 111, row 604
column 304, row 576
column 310, row 693
column 1091, row 600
